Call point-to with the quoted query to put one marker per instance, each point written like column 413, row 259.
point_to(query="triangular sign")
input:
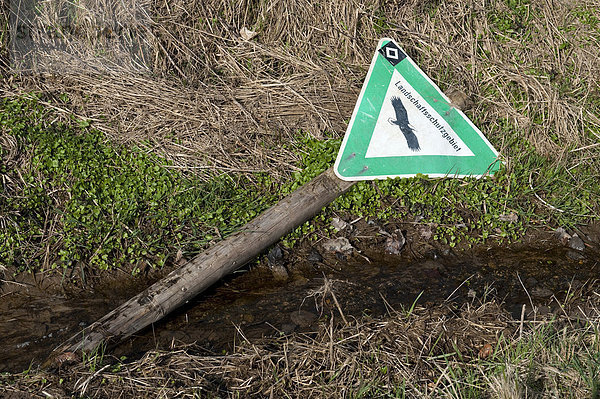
column 403, row 125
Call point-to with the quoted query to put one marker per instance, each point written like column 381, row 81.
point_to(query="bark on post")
column 201, row 272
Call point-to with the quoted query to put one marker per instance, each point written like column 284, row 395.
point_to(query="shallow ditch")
column 252, row 304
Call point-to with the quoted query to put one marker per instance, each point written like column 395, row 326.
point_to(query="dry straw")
column 181, row 78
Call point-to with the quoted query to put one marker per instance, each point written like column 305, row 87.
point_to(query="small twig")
column 457, row 288
column 339, row 308
column 3, row 281
column 522, row 322
column 540, row 198
column 363, row 256
column 83, row 386
column 586, row 147
column 552, row 206
column 527, row 292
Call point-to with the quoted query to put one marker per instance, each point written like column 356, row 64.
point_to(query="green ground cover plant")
column 529, row 191
column 72, row 200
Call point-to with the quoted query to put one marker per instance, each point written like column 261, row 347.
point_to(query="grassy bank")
column 75, row 202
column 223, row 127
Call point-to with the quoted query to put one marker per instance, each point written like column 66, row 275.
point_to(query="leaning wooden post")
column 201, row 272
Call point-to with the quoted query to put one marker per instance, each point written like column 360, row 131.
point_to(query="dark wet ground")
column 252, row 304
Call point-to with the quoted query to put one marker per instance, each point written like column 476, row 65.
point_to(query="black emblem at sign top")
column 392, row 53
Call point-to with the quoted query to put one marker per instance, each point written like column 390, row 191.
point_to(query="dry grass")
column 432, row 352
column 177, row 77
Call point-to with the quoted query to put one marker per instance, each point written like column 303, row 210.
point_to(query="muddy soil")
column 294, row 292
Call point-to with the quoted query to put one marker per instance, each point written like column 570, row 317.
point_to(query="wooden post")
column 201, row 272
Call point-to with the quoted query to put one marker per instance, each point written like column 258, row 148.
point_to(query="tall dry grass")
column 180, row 78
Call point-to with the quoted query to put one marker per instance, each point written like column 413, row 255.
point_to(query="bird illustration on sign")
column 402, row 122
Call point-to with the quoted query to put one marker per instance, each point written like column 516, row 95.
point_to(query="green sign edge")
column 351, row 154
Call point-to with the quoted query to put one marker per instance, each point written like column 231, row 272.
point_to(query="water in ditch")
column 252, row 304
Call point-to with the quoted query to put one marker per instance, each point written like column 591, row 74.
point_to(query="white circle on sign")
column 391, row 53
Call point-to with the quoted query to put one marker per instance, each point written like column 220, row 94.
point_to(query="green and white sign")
column 404, row 125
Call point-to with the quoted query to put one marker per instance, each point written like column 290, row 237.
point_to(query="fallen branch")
column 204, row 270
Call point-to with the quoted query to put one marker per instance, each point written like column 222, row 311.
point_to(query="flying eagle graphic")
column 402, row 122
